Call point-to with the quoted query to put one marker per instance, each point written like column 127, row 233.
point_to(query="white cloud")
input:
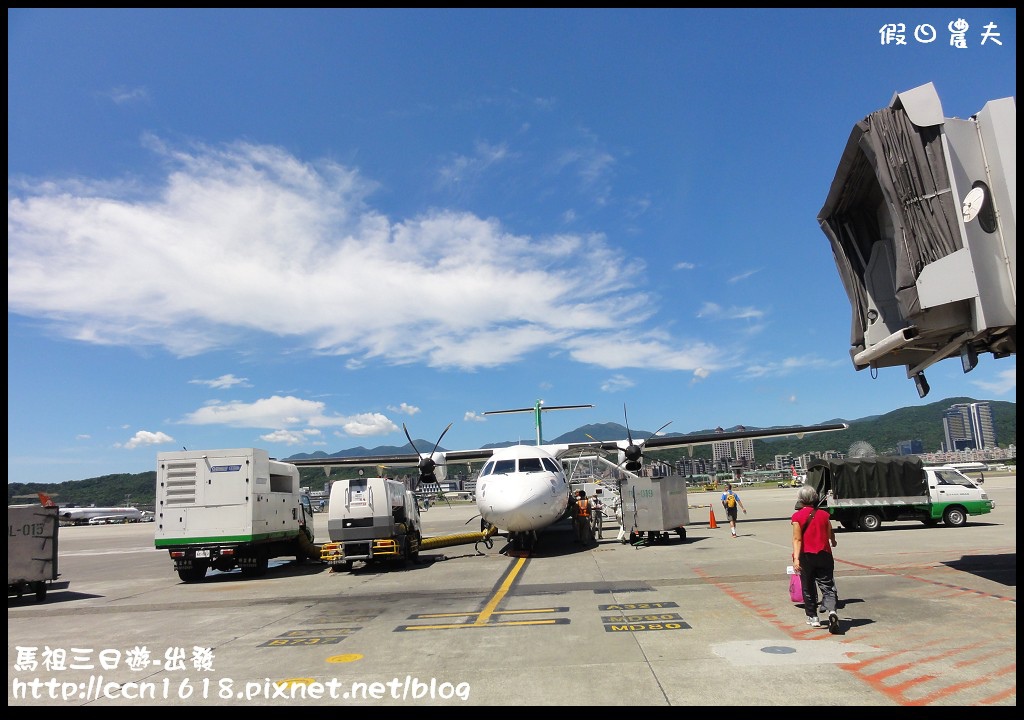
column 787, row 366
column 463, row 170
column 223, row 382
column 1005, row 384
column 368, row 424
column 289, row 437
column 122, row 95
column 473, row 416
column 651, row 350
column 742, row 276
column 684, row 266
column 144, row 437
column 404, row 409
column 277, row 222
column 616, row 383
column 714, row 311
column 288, row 413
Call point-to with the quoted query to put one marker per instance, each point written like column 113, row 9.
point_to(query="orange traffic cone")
column 714, row 525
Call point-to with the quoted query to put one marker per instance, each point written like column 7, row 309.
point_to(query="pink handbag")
column 796, row 589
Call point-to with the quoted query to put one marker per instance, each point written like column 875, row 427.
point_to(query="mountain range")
column 882, row 432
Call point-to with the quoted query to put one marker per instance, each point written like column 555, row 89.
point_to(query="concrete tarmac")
column 929, row 617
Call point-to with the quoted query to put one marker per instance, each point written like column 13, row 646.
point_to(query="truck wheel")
column 682, row 533
column 870, row 521
column 40, row 591
column 930, row 522
column 954, row 516
column 305, row 548
column 193, row 574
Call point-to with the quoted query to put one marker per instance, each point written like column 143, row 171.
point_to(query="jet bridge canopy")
column 922, row 221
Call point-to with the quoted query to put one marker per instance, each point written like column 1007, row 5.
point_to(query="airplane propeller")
column 427, row 464
column 634, row 453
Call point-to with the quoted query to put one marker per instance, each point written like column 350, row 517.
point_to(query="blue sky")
column 296, row 230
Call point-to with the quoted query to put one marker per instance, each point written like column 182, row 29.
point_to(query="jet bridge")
column 922, row 219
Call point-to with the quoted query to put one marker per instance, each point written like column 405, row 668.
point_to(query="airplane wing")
column 404, row 460
column 631, row 453
column 667, row 442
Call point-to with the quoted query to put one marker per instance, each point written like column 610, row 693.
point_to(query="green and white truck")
column 224, row 509
column 861, row 493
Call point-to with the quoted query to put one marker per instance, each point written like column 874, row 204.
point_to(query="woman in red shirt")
column 813, row 540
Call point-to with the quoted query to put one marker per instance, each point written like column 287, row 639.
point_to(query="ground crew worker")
column 617, row 507
column 597, row 511
column 582, row 517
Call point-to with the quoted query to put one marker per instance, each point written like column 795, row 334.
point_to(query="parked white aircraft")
column 85, row 515
column 522, row 489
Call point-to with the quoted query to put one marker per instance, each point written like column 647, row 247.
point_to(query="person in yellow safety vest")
column 582, row 517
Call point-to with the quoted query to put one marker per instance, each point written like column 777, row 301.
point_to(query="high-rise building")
column 983, row 425
column 968, row 426
column 956, row 428
column 740, row 451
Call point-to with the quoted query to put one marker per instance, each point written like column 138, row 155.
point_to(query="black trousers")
column 817, row 573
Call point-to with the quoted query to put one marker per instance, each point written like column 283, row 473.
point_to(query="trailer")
column 31, row 549
column 227, row 509
column 656, row 506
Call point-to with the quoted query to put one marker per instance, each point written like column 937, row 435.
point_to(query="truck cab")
column 956, row 494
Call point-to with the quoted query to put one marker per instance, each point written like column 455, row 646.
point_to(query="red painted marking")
column 876, row 680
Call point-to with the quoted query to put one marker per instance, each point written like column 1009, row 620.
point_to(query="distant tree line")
column 883, row 432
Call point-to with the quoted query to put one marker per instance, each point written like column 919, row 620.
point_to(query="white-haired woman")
column 813, row 540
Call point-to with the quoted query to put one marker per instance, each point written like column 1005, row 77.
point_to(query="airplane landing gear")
column 523, row 541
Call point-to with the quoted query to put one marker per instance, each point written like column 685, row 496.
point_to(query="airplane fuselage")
column 82, row 515
column 522, row 488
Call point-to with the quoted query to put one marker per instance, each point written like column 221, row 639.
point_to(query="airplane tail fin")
column 46, row 500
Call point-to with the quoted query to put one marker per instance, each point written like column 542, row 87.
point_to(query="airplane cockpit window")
column 503, row 467
column 530, row 465
column 487, row 469
column 551, row 465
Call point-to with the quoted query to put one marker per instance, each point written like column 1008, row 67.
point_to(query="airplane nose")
column 518, row 505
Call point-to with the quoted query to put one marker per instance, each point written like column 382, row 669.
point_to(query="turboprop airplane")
column 83, row 515
column 523, row 489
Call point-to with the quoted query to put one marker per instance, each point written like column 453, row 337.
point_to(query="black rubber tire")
column 40, row 588
column 870, row 521
column 193, row 574
column 955, row 516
